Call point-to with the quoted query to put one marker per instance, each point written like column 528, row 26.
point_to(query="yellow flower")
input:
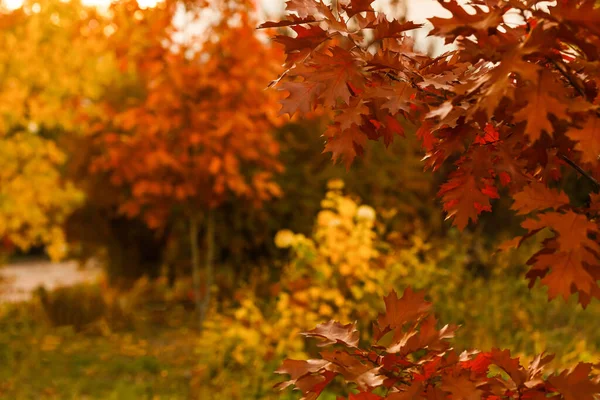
column 365, row 212
column 335, row 184
column 284, row 239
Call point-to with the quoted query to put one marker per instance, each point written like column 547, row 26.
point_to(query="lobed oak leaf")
column 428, row 337
column 490, row 136
column 336, row 69
column 537, row 197
column 588, row 139
column 575, row 384
column 460, row 387
column 478, row 364
column 410, row 392
column 572, row 229
column 566, row 271
column 345, row 144
column 352, row 114
column 306, row 8
column 312, row 385
column 298, row 368
column 354, row 370
column 539, row 102
column 301, row 97
column 511, row 366
column 499, row 81
column 579, row 13
column 333, row 332
column 411, row 307
column 290, row 21
column 536, row 367
column 299, row 47
column 392, row 128
column 358, row 6
column 396, row 97
column 384, row 29
column 464, row 23
column 464, row 199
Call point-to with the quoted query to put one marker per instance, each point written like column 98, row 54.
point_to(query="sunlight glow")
column 106, row 3
column 14, row 4
column 11, row 4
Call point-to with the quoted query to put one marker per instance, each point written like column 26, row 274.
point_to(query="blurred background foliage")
column 305, row 243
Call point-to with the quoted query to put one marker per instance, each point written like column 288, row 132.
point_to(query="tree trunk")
column 196, row 266
column 202, row 302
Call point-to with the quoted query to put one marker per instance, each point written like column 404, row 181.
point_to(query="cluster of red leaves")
column 410, row 359
column 510, row 107
column 196, row 123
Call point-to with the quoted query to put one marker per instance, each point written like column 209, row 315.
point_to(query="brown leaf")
column 539, row 102
column 538, row 197
column 588, row 139
column 334, row 332
column 398, row 311
column 345, row 144
column 575, row 384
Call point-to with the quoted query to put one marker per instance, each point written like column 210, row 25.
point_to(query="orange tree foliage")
column 511, row 108
column 197, row 127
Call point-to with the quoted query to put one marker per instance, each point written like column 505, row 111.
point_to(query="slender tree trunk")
column 196, row 265
column 208, row 266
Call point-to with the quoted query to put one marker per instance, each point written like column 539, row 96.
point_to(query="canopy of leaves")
column 510, row 108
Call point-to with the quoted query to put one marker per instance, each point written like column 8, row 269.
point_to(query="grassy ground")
column 151, row 359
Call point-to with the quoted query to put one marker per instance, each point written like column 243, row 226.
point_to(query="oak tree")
column 512, row 107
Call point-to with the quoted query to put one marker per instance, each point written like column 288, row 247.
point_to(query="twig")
column 414, row 85
column 581, row 171
column 569, row 78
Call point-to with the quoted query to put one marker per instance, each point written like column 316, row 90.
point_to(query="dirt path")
column 19, row 280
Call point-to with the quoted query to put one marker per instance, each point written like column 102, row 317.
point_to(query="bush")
column 341, row 272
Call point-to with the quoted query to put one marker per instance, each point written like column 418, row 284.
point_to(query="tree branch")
column 583, row 172
column 563, row 70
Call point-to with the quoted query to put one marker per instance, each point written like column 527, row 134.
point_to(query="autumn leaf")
column 301, row 96
column 539, row 102
column 338, row 68
column 537, row 197
column 464, row 23
column 511, row 366
column 365, row 375
column 352, row 114
column 572, row 229
column 334, row 332
column 358, row 6
column 345, row 144
column 460, row 387
column 398, row 311
column 576, row 384
column 588, row 139
column 464, row 199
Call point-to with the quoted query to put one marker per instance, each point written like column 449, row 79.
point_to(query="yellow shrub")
column 34, row 199
column 343, row 271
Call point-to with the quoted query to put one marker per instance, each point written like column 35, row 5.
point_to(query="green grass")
column 39, row 361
